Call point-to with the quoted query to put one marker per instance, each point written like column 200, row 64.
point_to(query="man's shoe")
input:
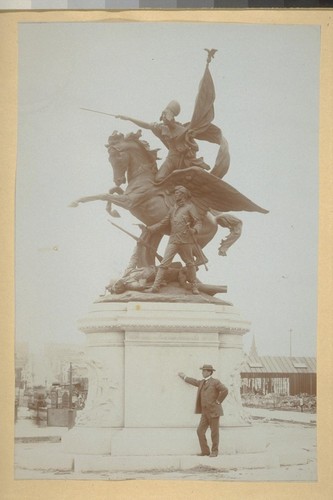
column 213, row 454
column 203, row 455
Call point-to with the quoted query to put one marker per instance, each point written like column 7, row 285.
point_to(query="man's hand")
column 181, row 375
column 152, row 229
column 191, row 229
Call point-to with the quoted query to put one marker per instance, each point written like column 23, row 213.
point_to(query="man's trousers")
column 213, row 423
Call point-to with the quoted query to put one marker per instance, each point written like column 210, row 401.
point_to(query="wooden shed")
column 278, row 374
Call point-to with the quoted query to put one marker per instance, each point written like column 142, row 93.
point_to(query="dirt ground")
column 283, row 437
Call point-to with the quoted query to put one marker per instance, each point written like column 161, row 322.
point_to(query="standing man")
column 211, row 393
column 183, row 223
column 301, row 402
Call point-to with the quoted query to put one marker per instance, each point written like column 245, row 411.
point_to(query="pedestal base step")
column 60, row 461
column 132, row 442
column 88, row 463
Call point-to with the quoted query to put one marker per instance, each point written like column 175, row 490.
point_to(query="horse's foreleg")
column 112, row 211
column 85, row 199
column 116, row 189
column 120, row 200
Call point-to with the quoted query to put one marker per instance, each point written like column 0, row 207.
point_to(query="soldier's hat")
column 207, row 367
column 181, row 188
column 184, row 190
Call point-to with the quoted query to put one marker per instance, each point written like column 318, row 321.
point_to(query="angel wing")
column 209, row 192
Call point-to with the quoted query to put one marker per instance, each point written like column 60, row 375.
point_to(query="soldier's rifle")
column 140, row 241
column 197, row 246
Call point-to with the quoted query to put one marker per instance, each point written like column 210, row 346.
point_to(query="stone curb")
column 38, row 439
column 275, row 419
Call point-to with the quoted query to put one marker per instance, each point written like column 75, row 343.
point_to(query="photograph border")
column 15, row 489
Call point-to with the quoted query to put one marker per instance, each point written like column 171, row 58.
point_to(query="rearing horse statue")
column 134, row 162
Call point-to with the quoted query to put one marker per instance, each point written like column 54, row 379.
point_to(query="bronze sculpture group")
column 183, row 198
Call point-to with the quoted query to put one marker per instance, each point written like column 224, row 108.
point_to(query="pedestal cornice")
column 163, row 317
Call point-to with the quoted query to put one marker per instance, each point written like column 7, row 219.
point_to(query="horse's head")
column 127, row 154
column 118, row 157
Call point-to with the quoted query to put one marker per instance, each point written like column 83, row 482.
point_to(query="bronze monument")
column 151, row 195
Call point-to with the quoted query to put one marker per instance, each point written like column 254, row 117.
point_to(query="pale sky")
column 267, row 96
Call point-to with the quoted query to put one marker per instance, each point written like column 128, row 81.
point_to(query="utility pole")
column 70, row 409
column 70, row 385
column 290, row 342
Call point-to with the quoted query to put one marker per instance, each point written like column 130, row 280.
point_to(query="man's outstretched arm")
column 189, row 380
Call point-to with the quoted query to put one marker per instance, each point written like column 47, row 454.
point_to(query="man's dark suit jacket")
column 209, row 392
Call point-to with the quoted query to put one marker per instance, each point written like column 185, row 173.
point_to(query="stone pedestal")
column 137, row 404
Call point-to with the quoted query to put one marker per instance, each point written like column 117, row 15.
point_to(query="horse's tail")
column 235, row 227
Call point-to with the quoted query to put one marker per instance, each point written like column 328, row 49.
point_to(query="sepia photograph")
column 166, row 250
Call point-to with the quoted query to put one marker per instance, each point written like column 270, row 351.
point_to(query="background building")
column 283, row 375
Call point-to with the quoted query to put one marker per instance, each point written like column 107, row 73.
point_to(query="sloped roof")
column 278, row 364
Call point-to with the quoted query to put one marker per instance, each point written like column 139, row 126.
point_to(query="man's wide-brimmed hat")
column 207, row 367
